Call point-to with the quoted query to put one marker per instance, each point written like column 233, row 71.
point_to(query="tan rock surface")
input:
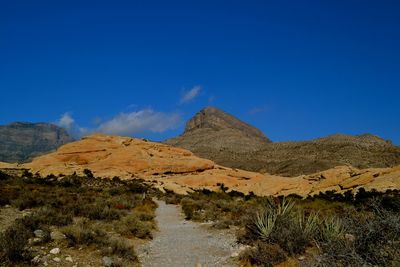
column 118, row 156
column 7, row 165
column 179, row 170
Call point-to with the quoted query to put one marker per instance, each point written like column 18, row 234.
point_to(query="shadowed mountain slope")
column 21, row 141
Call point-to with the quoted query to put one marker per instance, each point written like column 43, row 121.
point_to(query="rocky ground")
column 186, row 243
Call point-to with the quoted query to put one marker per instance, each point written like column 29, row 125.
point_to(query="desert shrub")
column 70, row 181
column 84, row 233
column 338, row 252
column 191, row 208
column 137, row 186
column 4, row 176
column 145, row 216
column 13, row 242
column 223, row 224
column 132, row 225
column 51, row 216
column 124, row 201
column 263, row 254
column 88, row 173
column 377, row 239
column 121, row 248
column 173, row 199
column 101, row 211
column 116, row 190
column 27, row 200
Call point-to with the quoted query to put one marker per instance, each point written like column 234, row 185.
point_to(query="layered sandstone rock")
column 179, row 170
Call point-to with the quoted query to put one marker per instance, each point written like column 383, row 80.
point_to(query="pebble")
column 55, row 251
column 36, row 259
column 107, row 261
column 69, row 258
column 38, row 233
column 56, row 259
column 57, row 236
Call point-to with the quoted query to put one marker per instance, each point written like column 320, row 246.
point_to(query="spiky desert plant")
column 265, row 222
column 308, row 224
column 280, row 207
column 331, row 229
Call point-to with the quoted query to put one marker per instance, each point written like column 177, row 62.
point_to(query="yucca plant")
column 331, row 229
column 308, row 224
column 281, row 208
column 266, row 218
column 265, row 222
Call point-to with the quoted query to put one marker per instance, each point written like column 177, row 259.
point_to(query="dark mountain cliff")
column 21, row 141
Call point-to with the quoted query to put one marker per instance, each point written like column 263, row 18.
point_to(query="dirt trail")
column 184, row 243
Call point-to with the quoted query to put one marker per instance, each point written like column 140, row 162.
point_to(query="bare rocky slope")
column 216, row 135
column 21, row 141
column 180, row 170
column 213, row 131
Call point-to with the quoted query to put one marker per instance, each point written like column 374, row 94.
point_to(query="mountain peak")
column 215, row 119
column 212, row 129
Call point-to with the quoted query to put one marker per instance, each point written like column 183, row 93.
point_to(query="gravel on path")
column 181, row 243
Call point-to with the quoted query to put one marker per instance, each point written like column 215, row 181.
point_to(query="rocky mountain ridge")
column 213, row 134
column 21, row 141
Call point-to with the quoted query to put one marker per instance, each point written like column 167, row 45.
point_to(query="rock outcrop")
column 21, row 141
column 180, row 170
column 218, row 136
column 109, row 156
column 213, row 131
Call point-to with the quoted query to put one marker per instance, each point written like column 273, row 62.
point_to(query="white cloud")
column 140, row 121
column 130, row 123
column 191, row 94
column 66, row 121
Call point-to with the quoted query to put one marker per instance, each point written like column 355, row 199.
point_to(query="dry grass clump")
column 84, row 233
column 132, row 225
column 120, row 247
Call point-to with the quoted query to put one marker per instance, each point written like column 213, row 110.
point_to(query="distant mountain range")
column 216, row 135
column 219, row 136
column 22, row 141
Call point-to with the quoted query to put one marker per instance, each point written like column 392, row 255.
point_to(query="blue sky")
column 297, row 70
